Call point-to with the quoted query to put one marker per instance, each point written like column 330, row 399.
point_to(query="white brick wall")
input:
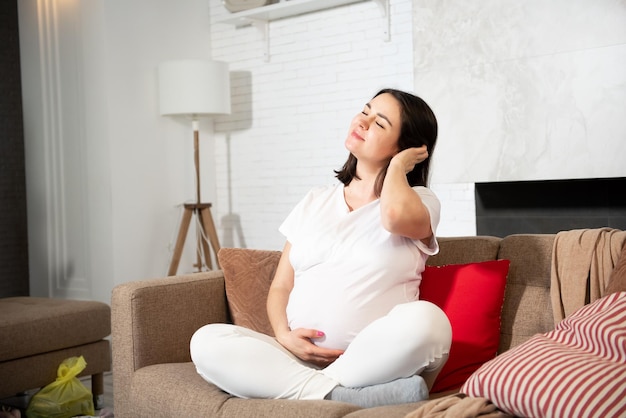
column 458, row 214
column 291, row 113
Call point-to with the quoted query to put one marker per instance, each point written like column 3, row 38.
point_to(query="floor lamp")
column 195, row 88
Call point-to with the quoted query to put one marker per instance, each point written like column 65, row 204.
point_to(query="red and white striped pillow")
column 576, row 370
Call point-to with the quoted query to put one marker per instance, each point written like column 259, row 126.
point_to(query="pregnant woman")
column 344, row 303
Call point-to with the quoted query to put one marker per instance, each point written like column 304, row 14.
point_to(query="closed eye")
column 380, row 125
column 377, row 123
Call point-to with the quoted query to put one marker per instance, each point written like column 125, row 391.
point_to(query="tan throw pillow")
column 617, row 279
column 248, row 275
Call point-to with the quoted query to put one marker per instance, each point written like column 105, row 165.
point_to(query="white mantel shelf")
column 261, row 16
column 288, row 8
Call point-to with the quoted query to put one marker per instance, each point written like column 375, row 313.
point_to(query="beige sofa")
column 153, row 320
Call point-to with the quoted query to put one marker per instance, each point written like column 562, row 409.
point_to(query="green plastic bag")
column 65, row 397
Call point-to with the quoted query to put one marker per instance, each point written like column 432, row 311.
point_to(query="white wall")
column 291, row 113
column 106, row 175
column 523, row 91
column 151, row 156
column 527, row 90
column 68, row 194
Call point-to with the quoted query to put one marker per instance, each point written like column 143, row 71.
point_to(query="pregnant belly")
column 340, row 318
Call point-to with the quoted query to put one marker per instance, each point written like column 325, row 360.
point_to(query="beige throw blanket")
column 458, row 406
column 582, row 261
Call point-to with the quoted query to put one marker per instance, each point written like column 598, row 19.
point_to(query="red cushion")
column 471, row 295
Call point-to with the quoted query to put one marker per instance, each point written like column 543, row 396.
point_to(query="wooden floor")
column 108, row 390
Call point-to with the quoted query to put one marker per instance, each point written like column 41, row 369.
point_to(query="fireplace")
column 504, row 208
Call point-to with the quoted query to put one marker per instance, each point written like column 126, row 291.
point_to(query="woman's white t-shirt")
column 349, row 270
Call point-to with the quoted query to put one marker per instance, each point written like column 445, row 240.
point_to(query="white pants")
column 412, row 337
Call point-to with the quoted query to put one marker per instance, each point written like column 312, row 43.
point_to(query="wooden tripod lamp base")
column 205, row 221
column 195, row 88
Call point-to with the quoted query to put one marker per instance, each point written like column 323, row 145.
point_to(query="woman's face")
column 374, row 132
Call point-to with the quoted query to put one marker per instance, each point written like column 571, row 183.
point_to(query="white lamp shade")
column 194, row 87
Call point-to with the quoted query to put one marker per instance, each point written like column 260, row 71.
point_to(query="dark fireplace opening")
column 550, row 206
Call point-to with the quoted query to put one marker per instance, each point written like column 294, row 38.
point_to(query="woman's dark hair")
column 418, row 127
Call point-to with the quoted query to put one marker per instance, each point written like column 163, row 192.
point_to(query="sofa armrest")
column 152, row 321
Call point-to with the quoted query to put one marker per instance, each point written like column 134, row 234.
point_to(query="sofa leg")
column 97, row 389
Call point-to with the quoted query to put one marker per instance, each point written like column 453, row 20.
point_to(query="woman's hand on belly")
column 298, row 341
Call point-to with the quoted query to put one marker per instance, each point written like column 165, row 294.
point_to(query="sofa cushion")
column 578, row 369
column 247, row 277
column 463, row 250
column 39, row 325
column 527, row 287
column 186, row 394
column 617, row 279
column 471, row 295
